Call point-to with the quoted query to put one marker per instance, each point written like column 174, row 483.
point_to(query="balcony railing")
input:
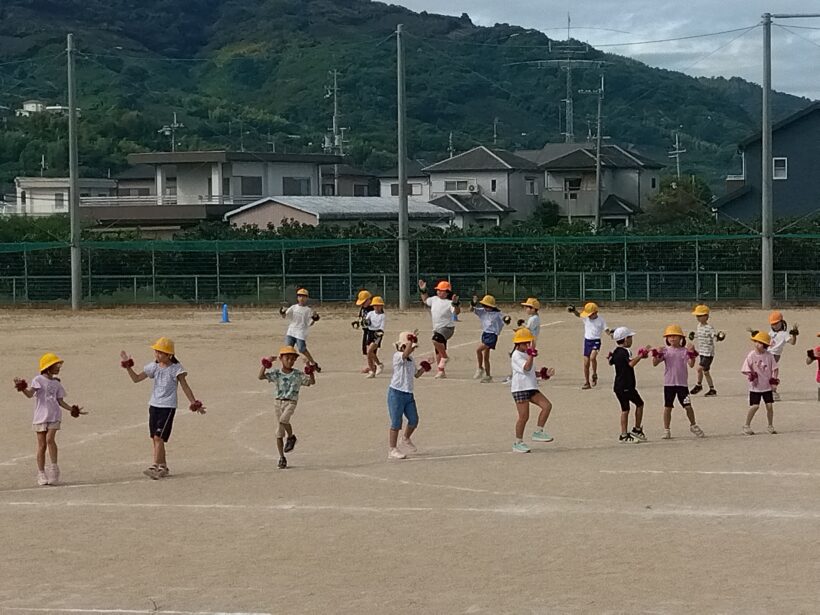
column 144, row 201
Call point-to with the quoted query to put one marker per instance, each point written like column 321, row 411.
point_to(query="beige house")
column 44, row 196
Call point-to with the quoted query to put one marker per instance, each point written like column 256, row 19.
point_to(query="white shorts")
column 43, row 427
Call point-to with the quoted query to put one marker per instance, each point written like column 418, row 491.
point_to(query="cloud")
column 795, row 51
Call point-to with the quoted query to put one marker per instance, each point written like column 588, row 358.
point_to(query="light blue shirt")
column 492, row 321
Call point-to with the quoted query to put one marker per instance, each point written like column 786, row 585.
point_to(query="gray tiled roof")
column 483, row 159
column 470, row 203
column 350, row 207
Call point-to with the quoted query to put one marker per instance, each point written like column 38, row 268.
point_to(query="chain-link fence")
column 696, row 268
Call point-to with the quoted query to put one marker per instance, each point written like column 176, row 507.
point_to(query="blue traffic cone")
column 225, row 313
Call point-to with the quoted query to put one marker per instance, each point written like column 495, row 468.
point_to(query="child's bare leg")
column 441, row 351
column 667, row 417
column 700, row 375
column 751, row 414
column 408, row 431
column 709, row 380
column 372, row 361
column 288, row 429
column 624, row 421
column 308, row 357
column 41, row 450
column 523, row 408
column 280, row 446
column 479, row 356
column 159, row 451
column 690, row 414
column 770, row 413
column 638, row 416
column 586, row 370
column 540, row 400
column 393, row 437
column 51, row 442
column 486, row 353
column 593, row 360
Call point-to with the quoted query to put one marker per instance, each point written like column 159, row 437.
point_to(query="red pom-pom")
column 774, row 381
column 127, row 363
column 412, row 339
column 752, row 377
column 643, row 353
column 309, row 369
column 21, row 385
column 75, row 411
column 656, row 353
column 425, row 365
column 691, row 353
column 267, row 363
column 196, row 406
column 532, row 352
column 543, row 373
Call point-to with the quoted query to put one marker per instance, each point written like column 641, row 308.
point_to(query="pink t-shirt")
column 47, row 393
column 764, row 365
column 676, row 368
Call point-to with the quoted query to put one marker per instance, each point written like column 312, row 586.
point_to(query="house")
column 418, row 182
column 30, row 107
column 139, row 182
column 628, row 180
column 337, row 210
column 346, row 180
column 43, row 196
column 233, row 178
column 795, row 160
column 473, row 210
column 512, row 183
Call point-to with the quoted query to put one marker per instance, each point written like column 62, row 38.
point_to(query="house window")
column 415, row 189
column 22, row 197
column 780, row 168
column 572, row 185
column 529, row 186
column 226, row 186
column 455, row 185
column 59, row 200
column 250, row 186
column 328, row 190
column 360, row 190
column 394, row 190
column 296, row 186
column 654, row 182
column 493, row 185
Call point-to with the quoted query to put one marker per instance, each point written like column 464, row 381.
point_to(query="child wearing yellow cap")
column 401, row 403
column 780, row 335
column 49, row 403
column 524, row 388
column 288, row 381
column 443, row 306
column 363, row 302
column 374, row 322
column 760, row 369
column 705, row 337
column 168, row 374
column 676, row 357
column 302, row 318
column 492, row 322
column 594, row 328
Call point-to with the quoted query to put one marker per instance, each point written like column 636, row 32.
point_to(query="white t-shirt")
column 375, row 322
column 779, row 339
column 593, row 329
column 534, row 324
column 299, row 321
column 441, row 311
column 521, row 380
column 164, row 394
column 404, row 372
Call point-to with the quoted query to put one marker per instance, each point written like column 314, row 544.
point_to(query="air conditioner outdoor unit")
column 472, row 188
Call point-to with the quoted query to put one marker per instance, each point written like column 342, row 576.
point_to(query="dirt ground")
column 726, row 524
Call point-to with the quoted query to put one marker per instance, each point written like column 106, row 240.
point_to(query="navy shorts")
column 755, row 397
column 590, row 345
column 401, row 404
column 706, row 362
column 300, row 345
column 627, row 397
column 671, row 392
column 489, row 340
column 160, row 422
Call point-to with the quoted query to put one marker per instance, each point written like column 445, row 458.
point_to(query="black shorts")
column 441, row 336
column 373, row 337
column 755, row 397
column 627, row 397
column 364, row 341
column 706, row 362
column 670, row 393
column 160, row 422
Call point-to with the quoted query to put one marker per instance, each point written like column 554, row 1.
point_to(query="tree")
column 678, row 202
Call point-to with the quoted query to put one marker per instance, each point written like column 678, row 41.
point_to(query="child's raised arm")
column 127, row 363
column 267, row 363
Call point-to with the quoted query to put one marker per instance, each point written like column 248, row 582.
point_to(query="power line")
column 797, row 34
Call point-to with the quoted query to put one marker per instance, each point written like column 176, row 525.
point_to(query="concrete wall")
column 523, row 203
column 481, row 179
column 192, row 183
column 41, row 201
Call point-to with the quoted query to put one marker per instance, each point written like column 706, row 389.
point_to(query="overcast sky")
column 795, row 60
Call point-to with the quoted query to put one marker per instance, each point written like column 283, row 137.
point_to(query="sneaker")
column 667, row 434
column 695, row 389
column 290, row 443
column 152, row 472
column 775, row 396
column 594, row 379
column 541, row 436
column 163, row 471
column 626, row 438
column 379, row 368
column 637, row 432
column 508, row 379
column 586, row 386
column 486, row 379
column 478, row 375
column 42, row 479
column 407, row 444
column 747, row 430
column 697, row 431
column 317, row 368
column 53, row 474
column 440, row 375
column 396, row 454
column 283, row 463
column 711, row 393
column 520, row 447
column 370, row 374
column 771, row 429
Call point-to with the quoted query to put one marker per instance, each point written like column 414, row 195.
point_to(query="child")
column 524, row 387
column 492, row 322
column 374, row 331
column 288, row 381
column 442, row 307
column 780, row 336
column 49, row 403
column 705, row 338
column 302, row 317
column 363, row 301
column 813, row 355
column 760, row 368
column 400, row 400
column 594, row 326
column 675, row 357
column 166, row 372
column 533, row 320
column 625, row 386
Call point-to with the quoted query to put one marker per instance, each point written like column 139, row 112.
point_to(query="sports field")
column 727, row 524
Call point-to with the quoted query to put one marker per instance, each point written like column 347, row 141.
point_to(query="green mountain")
column 254, row 73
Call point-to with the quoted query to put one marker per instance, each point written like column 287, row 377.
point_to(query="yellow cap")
column 533, row 303
column 377, row 301
column 47, row 360
column 589, row 310
column 165, row 345
column 287, row 350
column 363, row 296
column 488, row 300
column 302, row 291
column 762, row 337
column 523, row 335
column 701, row 310
column 673, row 330
column 775, row 317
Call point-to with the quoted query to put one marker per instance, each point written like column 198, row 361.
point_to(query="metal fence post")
column 321, row 288
column 135, row 289
column 258, row 290
column 153, row 274
column 626, row 271
column 717, row 281
column 515, row 287
column 486, row 289
column 196, row 289
column 785, row 286
column 218, row 281
column 697, row 270
column 384, row 286
column 349, row 270
column 418, row 271
column 284, row 274
column 554, row 271
column 647, row 286
column 14, row 290
column 25, row 274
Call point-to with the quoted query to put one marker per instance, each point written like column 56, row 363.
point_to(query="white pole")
column 404, row 243
column 766, row 248
column 74, row 180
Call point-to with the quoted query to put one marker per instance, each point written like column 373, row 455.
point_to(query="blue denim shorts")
column 300, row 345
column 489, row 340
column 401, row 404
column 590, row 345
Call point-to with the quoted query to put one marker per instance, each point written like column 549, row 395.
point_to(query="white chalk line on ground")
column 21, row 609
column 719, row 472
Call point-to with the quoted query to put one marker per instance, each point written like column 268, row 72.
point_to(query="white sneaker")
column 42, row 479
column 667, row 434
column 53, row 474
column 771, row 429
column 747, row 430
column 440, row 375
column 370, row 375
column 486, row 379
column 379, row 368
column 163, row 471
column 697, row 431
column 407, row 444
column 396, row 454
column 478, row 375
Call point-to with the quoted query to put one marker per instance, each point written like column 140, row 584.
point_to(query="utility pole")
column 450, row 147
column 495, row 132
column 271, row 142
column 170, row 130
column 241, row 135
column 338, row 134
column 767, row 234
column 675, row 153
column 598, row 139
column 404, row 243
column 74, row 179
